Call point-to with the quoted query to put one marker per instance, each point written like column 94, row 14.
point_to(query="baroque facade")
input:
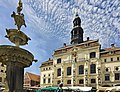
column 82, row 63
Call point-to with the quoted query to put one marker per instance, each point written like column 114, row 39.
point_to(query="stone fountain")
column 14, row 57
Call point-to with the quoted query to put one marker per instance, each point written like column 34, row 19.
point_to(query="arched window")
column 92, row 54
column 59, row 72
column 81, row 69
column 92, row 68
column 68, row 70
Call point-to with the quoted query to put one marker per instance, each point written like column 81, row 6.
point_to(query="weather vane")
column 15, row 35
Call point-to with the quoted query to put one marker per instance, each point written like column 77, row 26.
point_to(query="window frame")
column 81, row 69
column 59, row 72
column 92, row 80
column 69, row 71
column 81, row 81
column 59, row 60
column 68, row 81
column 93, row 68
column 93, row 55
column 107, row 77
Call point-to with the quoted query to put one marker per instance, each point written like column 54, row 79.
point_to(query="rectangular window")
column 117, row 76
column 81, row 69
column 107, row 77
column 93, row 81
column 68, row 81
column 44, row 80
column 111, row 59
column 92, row 54
column 118, row 58
column 105, row 60
column 59, row 72
column 92, row 68
column 81, row 81
column 0, row 79
column 68, row 70
column 48, row 80
column 58, row 60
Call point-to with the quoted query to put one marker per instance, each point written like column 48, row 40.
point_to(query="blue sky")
column 49, row 23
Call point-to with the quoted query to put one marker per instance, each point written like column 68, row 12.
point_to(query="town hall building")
column 82, row 63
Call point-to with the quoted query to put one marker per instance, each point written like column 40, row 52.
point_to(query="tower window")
column 59, row 72
column 81, row 69
column 68, row 81
column 92, row 54
column 59, row 60
column 92, row 68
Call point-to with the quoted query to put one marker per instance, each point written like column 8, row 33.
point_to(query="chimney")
column 49, row 59
column 113, row 45
column 64, row 44
column 88, row 38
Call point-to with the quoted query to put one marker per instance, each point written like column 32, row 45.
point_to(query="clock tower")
column 77, row 31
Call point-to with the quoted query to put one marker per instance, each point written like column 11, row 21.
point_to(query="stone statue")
column 19, row 18
column 20, row 7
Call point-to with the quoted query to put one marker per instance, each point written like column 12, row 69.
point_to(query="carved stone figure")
column 19, row 20
column 20, row 7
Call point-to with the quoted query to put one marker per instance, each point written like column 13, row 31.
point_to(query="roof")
column 85, row 44
column 47, row 63
column 112, row 48
column 33, row 77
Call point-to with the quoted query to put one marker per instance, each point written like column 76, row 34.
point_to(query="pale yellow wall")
column 46, row 73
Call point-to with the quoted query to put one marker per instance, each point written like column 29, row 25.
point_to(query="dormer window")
column 58, row 60
column 92, row 54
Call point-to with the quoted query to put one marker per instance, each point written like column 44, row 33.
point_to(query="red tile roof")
column 112, row 48
column 34, row 77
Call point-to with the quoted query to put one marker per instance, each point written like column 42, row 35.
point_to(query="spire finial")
column 76, row 10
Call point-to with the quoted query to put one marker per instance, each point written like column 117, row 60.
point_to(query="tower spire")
column 77, row 31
